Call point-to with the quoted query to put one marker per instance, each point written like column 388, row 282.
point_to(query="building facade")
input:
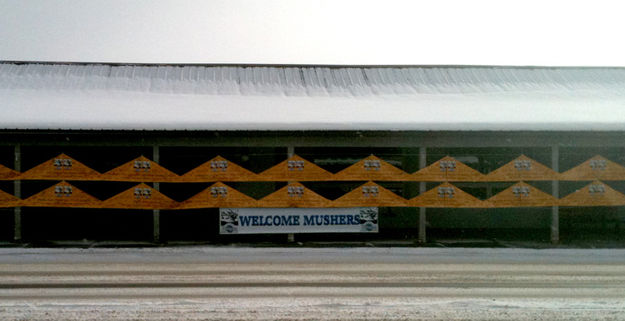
column 137, row 152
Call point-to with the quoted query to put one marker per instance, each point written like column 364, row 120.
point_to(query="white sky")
column 432, row 32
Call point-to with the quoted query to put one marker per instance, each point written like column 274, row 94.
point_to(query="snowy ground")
column 224, row 283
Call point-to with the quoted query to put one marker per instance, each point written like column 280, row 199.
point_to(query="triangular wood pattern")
column 584, row 171
column 535, row 197
column 362, row 197
column 127, row 199
column 281, row 172
column 129, row 173
column 207, row 199
column 433, row 173
column 583, row 197
column 208, row 172
column 7, row 173
column 460, row 199
column 8, row 200
column 281, row 198
column 511, row 173
column 51, row 171
column 361, row 172
column 67, row 195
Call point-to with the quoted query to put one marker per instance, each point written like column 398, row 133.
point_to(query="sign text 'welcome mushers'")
column 298, row 220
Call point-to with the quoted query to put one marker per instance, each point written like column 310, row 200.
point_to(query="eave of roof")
column 262, row 97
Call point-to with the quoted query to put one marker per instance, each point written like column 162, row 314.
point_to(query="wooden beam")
column 156, row 213
column 17, row 192
column 422, row 189
column 555, row 192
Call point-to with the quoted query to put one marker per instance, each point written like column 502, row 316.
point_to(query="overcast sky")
column 434, row 32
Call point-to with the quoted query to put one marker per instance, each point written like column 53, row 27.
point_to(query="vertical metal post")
column 555, row 191
column 17, row 191
column 489, row 190
column 156, row 214
column 422, row 220
column 290, row 151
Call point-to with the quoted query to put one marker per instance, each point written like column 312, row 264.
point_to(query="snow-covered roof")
column 92, row 96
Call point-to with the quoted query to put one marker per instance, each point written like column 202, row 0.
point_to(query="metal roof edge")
column 337, row 66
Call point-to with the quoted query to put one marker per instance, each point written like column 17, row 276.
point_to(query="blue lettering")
column 287, row 220
column 245, row 220
column 291, row 220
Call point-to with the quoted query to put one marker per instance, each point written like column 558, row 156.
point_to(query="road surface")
column 229, row 283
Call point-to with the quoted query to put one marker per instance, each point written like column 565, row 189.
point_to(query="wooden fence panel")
column 596, row 168
column 140, row 196
column 8, row 200
column 61, row 167
column 447, row 196
column 522, row 195
column 219, row 169
column 596, row 193
column 62, row 194
column 372, row 168
column 7, row 174
column 447, row 169
column 522, row 168
column 295, row 169
column 370, row 194
column 140, row 169
column 218, row 195
column 294, row 195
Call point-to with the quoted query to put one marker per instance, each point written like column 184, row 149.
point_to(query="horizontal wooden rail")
column 369, row 194
column 296, row 168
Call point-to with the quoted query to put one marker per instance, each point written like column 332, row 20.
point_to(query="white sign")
column 298, row 220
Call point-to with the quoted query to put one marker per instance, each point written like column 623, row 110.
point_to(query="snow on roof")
column 93, row 96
